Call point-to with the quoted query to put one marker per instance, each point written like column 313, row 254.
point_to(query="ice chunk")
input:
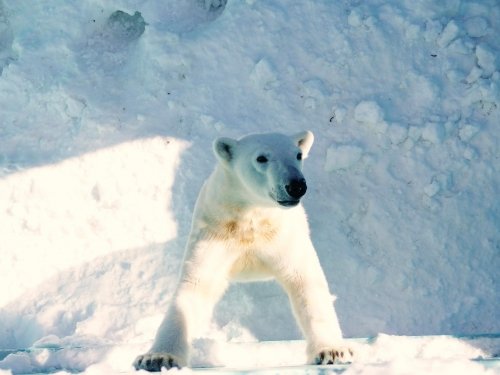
column 454, row 75
column 474, row 74
column 486, row 59
column 398, row 133
column 470, row 153
column 354, row 19
column 476, row 27
column 75, row 106
column 459, row 46
column 342, row 157
column 434, row 133
column 263, row 75
column 432, row 189
column 440, row 183
column 449, row 34
column 368, row 112
column 432, row 30
column 467, row 132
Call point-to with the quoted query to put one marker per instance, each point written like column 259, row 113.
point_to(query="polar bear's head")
column 267, row 168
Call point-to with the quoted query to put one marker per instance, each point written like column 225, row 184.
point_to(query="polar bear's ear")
column 224, row 149
column 304, row 140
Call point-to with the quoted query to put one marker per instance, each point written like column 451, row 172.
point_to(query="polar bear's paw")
column 335, row 355
column 154, row 362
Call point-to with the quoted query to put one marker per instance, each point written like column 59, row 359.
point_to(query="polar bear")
column 248, row 224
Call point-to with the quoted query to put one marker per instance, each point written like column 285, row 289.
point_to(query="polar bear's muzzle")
column 295, row 189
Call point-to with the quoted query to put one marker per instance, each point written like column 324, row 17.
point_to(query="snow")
column 342, row 157
column 370, row 114
column 105, row 139
column 434, row 132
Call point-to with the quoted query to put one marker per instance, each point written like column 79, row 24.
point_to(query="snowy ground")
column 439, row 355
column 105, row 139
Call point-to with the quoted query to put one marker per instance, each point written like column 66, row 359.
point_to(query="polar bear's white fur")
column 248, row 224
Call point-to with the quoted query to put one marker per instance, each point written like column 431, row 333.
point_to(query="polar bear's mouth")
column 289, row 203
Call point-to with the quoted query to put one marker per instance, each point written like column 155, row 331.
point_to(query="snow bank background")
column 105, row 139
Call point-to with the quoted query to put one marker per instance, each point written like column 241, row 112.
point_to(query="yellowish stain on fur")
column 244, row 234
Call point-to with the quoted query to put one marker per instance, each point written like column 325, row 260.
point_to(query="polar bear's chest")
column 245, row 232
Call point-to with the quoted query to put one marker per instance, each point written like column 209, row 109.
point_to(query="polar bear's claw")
column 334, row 356
column 154, row 362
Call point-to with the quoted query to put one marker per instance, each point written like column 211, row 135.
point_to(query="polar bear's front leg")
column 306, row 286
column 171, row 345
column 191, row 309
column 204, row 279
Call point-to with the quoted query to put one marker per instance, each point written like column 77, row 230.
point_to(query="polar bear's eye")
column 261, row 159
column 299, row 156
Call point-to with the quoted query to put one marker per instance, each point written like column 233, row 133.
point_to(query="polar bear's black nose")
column 296, row 188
